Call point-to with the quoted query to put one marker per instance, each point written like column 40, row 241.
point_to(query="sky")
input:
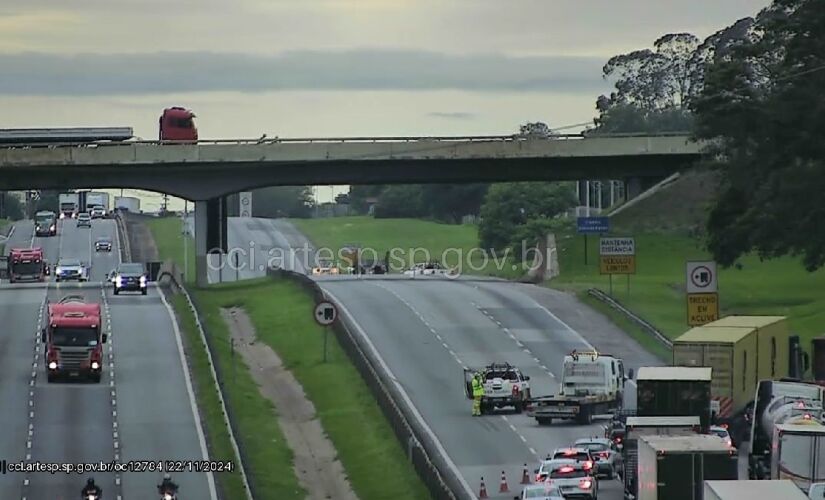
column 323, row 68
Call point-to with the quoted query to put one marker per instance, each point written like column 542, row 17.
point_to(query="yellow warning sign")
column 617, row 264
column 702, row 308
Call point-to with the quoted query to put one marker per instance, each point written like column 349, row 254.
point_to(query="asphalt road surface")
column 426, row 330
column 140, row 411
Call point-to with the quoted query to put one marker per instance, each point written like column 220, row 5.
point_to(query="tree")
column 12, row 207
column 450, row 202
column 763, row 113
column 282, row 201
column 358, row 196
column 510, row 209
column 400, row 201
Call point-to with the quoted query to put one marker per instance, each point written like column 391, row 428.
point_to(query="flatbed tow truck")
column 592, row 383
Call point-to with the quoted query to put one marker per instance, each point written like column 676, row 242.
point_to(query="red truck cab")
column 177, row 124
column 27, row 264
column 74, row 340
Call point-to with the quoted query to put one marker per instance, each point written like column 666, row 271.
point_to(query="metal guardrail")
column 336, row 140
column 644, row 325
column 421, row 450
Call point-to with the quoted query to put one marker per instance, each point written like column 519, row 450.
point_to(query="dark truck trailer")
column 675, row 467
column 674, row 391
column 638, row 427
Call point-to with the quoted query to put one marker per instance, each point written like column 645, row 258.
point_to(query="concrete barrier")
column 431, row 465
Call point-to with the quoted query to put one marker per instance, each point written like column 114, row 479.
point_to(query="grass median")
column 282, row 315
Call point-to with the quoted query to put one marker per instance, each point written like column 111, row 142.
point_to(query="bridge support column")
column 210, row 238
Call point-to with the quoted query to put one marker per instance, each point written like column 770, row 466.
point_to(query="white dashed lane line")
column 513, row 337
column 454, row 355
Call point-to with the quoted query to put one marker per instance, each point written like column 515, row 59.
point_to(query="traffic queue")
column 694, row 415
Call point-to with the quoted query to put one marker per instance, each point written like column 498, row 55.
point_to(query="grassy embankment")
column 665, row 227
column 411, row 240
column 350, row 416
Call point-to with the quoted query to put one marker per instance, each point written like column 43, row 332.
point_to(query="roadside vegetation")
column 364, row 441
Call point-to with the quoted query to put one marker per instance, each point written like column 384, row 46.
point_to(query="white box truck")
column 752, row 490
column 127, row 204
column 68, row 203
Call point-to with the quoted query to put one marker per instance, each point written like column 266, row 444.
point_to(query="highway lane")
column 77, row 422
column 427, row 330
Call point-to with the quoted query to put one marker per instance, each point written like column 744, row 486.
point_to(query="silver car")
column 71, row 269
column 572, row 479
column 608, row 460
column 545, row 491
column 84, row 220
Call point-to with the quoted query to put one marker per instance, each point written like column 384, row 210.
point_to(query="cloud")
column 364, row 69
column 455, row 115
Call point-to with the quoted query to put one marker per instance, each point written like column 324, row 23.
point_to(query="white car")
column 817, row 490
column 723, row 433
column 84, row 220
column 572, row 479
column 427, row 269
column 71, row 269
column 98, row 213
column 545, row 491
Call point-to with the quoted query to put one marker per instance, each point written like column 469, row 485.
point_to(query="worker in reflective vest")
column 478, row 392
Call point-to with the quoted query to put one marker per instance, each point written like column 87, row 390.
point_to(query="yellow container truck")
column 741, row 351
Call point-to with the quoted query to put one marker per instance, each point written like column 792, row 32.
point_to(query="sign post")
column 325, row 315
column 245, row 198
column 702, row 292
column 617, row 256
column 591, row 225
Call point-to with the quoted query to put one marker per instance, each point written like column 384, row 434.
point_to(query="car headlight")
column 118, row 281
column 59, row 270
column 95, row 365
column 53, row 365
column 52, row 227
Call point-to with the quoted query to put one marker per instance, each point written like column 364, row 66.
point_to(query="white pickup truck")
column 504, row 385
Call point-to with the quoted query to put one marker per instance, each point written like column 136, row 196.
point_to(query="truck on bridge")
column 591, row 384
column 69, row 204
column 177, row 124
column 11, row 136
column 27, row 264
column 45, row 223
column 73, row 339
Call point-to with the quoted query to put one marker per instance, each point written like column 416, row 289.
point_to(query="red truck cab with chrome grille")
column 26, row 264
column 74, row 340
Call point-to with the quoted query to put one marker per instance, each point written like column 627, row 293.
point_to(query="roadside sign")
column 246, row 204
column 592, row 225
column 617, row 256
column 325, row 313
column 702, row 308
column 700, row 277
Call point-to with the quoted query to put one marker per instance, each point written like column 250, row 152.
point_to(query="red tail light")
column 617, row 440
column 724, row 426
column 604, row 454
column 585, row 484
column 515, row 390
column 587, row 465
column 566, row 469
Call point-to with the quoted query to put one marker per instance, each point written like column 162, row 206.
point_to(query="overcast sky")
column 326, row 67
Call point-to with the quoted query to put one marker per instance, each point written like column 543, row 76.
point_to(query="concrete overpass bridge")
column 207, row 171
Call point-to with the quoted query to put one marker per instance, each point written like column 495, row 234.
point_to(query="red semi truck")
column 74, row 339
column 177, row 124
column 27, row 264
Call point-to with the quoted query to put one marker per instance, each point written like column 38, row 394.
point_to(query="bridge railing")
column 333, row 140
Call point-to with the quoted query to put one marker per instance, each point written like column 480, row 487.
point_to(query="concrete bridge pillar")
column 210, row 237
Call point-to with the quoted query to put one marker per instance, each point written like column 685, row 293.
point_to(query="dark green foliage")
column 764, row 110
column 282, row 201
column 517, row 211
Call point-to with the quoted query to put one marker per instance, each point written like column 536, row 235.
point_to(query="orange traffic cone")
column 482, row 493
column 525, row 476
column 503, row 487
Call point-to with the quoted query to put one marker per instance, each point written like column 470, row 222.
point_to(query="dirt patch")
column 315, row 463
column 141, row 243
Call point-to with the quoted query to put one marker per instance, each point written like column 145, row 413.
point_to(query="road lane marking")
column 210, row 479
column 403, row 393
column 517, row 341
